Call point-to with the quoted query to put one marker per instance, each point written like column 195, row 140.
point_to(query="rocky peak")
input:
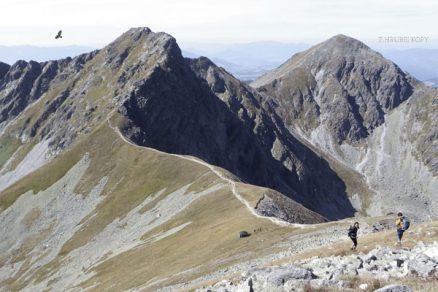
column 342, row 80
column 141, row 45
column 344, row 43
column 202, row 63
column 21, row 69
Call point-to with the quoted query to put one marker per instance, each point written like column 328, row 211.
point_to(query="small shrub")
column 376, row 284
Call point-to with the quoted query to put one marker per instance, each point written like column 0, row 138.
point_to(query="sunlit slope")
column 110, row 213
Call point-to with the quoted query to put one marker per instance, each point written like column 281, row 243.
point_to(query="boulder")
column 394, row 288
column 371, row 258
column 421, row 269
column 280, row 275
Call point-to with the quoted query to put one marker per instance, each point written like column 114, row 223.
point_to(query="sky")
column 95, row 23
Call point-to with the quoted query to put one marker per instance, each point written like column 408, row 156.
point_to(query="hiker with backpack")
column 352, row 233
column 402, row 223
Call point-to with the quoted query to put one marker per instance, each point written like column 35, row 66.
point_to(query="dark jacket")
column 352, row 232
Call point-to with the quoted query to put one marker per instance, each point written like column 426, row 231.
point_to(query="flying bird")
column 58, row 36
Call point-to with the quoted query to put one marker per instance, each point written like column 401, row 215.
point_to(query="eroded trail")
column 218, row 173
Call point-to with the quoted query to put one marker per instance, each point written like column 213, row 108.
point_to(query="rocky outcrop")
column 16, row 87
column 394, row 288
column 273, row 204
column 384, row 263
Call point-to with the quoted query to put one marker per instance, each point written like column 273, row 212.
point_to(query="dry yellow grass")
column 208, row 243
column 8, row 146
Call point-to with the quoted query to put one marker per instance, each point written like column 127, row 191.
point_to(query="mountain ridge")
column 133, row 157
column 146, row 59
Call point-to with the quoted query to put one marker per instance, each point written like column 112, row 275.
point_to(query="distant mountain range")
column 246, row 61
column 420, row 63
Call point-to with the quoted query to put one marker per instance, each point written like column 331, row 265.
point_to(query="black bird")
column 58, row 36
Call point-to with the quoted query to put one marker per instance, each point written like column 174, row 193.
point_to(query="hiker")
column 402, row 223
column 352, row 233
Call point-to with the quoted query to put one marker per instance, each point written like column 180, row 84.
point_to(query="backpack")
column 406, row 223
column 352, row 233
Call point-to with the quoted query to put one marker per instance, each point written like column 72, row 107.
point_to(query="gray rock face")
column 285, row 278
column 4, row 68
column 315, row 184
column 322, row 273
column 22, row 75
column 278, row 277
column 340, row 82
column 394, row 288
column 276, row 205
column 25, row 84
column 193, row 107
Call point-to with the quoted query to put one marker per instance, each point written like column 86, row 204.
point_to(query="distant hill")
column 432, row 82
column 246, row 61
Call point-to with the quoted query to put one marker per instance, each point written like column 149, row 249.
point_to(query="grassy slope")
column 210, row 241
column 8, row 146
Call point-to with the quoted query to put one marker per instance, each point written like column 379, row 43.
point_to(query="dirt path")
column 230, row 182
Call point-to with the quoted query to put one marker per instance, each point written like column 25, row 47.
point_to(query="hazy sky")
column 97, row 22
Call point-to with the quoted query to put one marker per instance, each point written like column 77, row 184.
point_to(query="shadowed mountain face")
column 315, row 184
column 193, row 107
column 365, row 115
column 173, row 104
